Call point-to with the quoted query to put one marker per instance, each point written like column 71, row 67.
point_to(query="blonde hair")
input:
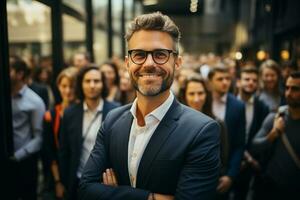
column 70, row 73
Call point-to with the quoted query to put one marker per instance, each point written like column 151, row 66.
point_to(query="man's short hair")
column 80, row 76
column 154, row 22
column 19, row 65
column 295, row 74
column 215, row 69
column 248, row 70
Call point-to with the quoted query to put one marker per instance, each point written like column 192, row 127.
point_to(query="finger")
column 114, row 178
column 105, row 182
column 109, row 177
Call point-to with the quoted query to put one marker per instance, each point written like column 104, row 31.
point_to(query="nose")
column 149, row 60
column 196, row 98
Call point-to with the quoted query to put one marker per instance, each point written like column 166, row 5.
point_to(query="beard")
column 152, row 89
column 293, row 103
column 248, row 92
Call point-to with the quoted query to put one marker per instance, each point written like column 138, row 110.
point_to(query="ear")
column 178, row 63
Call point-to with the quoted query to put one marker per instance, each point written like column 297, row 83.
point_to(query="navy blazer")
column 71, row 142
column 181, row 158
column 261, row 110
column 235, row 121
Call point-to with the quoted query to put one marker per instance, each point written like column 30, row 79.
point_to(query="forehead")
column 193, row 85
column 92, row 74
column 221, row 75
column 293, row 82
column 149, row 40
column 249, row 75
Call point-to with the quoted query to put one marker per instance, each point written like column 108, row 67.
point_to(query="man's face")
column 292, row 92
column 79, row 60
column 150, row 78
column 249, row 82
column 92, row 84
column 220, row 82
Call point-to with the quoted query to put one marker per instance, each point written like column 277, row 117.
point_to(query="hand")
column 59, row 190
column 109, row 178
column 161, row 197
column 278, row 123
column 224, row 184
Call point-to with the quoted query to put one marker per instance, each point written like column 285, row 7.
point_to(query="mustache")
column 150, row 70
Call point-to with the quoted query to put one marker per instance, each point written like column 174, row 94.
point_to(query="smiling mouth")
column 147, row 75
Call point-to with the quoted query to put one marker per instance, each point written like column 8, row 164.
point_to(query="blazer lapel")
column 119, row 146
column 160, row 135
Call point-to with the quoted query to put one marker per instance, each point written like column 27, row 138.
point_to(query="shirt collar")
column 21, row 92
column 250, row 101
column 99, row 107
column 159, row 112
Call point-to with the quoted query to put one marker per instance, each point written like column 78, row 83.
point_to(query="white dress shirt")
column 249, row 114
column 219, row 107
column 140, row 136
column 91, row 124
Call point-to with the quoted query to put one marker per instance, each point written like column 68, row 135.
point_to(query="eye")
column 138, row 54
column 160, row 54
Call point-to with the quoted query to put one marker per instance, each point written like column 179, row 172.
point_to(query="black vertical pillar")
column 109, row 29
column 57, row 42
column 123, row 21
column 6, row 142
column 6, row 133
column 89, row 28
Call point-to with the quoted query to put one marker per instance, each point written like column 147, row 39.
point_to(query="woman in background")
column 194, row 93
column 65, row 83
column 111, row 73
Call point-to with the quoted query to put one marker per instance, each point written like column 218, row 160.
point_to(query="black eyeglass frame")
column 152, row 52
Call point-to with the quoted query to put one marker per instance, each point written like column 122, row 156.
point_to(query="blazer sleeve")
column 91, row 187
column 199, row 176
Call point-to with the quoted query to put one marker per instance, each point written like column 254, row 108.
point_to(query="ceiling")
column 174, row 7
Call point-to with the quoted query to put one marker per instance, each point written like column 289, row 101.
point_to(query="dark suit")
column 235, row 122
column 181, row 158
column 242, row 185
column 71, row 142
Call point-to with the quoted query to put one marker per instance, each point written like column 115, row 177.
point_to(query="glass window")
column 116, row 24
column 32, row 18
column 73, row 36
column 100, row 30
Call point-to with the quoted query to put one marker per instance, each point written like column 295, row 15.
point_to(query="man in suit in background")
column 256, row 111
column 27, row 115
column 156, row 148
column 80, row 125
column 229, row 109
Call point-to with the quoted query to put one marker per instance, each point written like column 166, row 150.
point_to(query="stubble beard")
column 154, row 89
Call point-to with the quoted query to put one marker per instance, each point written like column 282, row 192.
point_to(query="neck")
column 146, row 104
column 294, row 113
column 245, row 96
column 92, row 104
column 16, row 88
column 217, row 95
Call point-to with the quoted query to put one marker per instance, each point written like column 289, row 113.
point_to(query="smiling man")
column 155, row 148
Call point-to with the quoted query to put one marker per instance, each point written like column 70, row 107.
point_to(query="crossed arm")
column 109, row 178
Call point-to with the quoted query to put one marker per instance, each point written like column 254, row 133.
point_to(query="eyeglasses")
column 159, row 56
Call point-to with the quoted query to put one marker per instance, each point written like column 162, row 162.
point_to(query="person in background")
column 111, row 73
column 155, row 148
column 231, row 111
column 128, row 93
column 66, row 85
column 80, row 60
column 270, row 92
column 195, row 94
column 279, row 141
column 79, row 126
column 256, row 111
column 27, row 116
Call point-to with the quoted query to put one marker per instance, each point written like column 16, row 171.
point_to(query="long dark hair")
column 207, row 106
column 79, row 91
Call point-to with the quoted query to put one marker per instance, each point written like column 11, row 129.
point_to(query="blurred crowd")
column 255, row 103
